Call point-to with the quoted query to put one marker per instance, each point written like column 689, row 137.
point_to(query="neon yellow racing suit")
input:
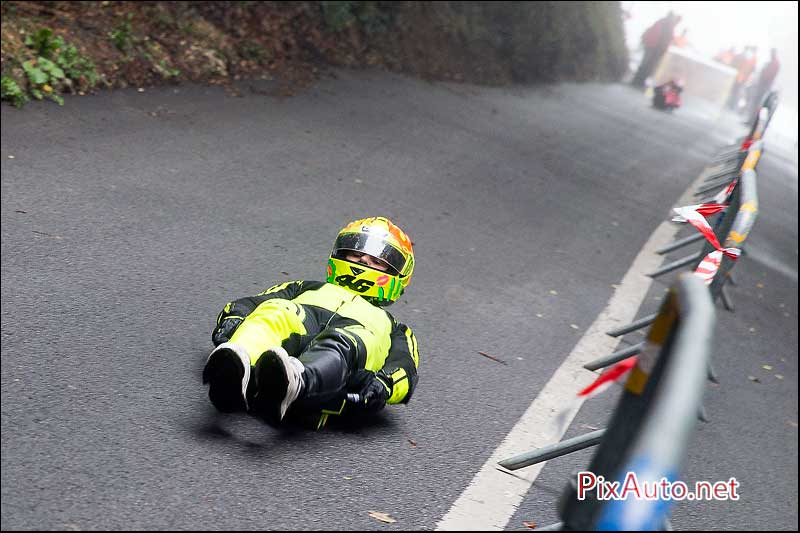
column 341, row 339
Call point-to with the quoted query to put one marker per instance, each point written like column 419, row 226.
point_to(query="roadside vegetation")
column 55, row 48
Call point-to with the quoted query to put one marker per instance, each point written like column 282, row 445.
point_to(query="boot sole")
column 272, row 386
column 224, row 373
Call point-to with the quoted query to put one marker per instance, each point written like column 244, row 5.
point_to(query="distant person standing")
column 655, row 41
column 765, row 80
column 745, row 65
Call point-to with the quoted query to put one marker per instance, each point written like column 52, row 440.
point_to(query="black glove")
column 223, row 331
column 374, row 394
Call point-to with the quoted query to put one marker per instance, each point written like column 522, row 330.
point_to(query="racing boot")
column 279, row 382
column 227, row 372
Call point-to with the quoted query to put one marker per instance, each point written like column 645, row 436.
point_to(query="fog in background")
column 715, row 26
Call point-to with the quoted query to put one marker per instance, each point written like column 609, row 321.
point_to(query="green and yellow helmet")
column 379, row 238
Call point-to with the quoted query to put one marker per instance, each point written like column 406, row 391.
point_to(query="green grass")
column 47, row 67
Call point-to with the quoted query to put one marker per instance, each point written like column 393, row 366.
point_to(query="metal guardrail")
column 764, row 116
column 651, row 426
column 739, row 229
column 669, row 400
column 734, row 164
column 736, row 224
column 757, row 129
column 593, row 438
column 725, row 229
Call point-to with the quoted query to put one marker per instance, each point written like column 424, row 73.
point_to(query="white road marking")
column 493, row 495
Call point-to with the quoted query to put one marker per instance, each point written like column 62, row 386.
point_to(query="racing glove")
column 374, row 394
column 224, row 330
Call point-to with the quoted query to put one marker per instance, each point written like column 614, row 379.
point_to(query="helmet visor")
column 374, row 245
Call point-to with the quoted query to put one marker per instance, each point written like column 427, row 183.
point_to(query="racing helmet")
column 381, row 239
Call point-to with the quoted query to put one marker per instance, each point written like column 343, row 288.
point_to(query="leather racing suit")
column 342, row 340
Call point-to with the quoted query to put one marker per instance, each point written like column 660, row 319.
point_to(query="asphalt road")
column 130, row 218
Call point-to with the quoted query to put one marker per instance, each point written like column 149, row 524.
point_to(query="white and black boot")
column 227, row 372
column 279, row 382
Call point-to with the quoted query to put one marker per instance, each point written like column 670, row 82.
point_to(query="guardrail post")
column 726, row 299
column 728, row 151
column 716, row 184
column 554, row 450
column 633, row 326
column 615, row 357
column 675, row 265
column 727, row 173
column 738, row 155
column 712, row 374
column 694, row 237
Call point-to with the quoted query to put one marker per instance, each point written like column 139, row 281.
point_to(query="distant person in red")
column 745, row 64
column 765, row 80
column 726, row 56
column 655, row 40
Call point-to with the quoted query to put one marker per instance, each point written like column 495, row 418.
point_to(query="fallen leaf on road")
column 754, row 379
column 383, row 517
column 553, row 293
column 779, row 376
column 766, row 367
column 531, row 525
column 574, row 326
column 412, row 443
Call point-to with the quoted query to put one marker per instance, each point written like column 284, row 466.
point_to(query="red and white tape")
column 603, row 381
column 709, row 266
column 722, row 196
